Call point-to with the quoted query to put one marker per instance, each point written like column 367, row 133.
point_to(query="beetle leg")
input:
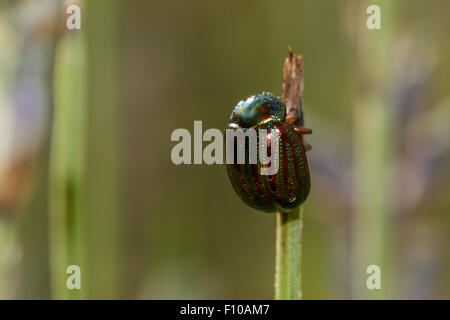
column 306, row 145
column 291, row 120
column 302, row 130
column 298, row 129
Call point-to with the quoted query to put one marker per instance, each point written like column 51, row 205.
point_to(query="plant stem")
column 373, row 114
column 7, row 237
column 288, row 255
column 67, row 166
column 289, row 225
column 103, row 137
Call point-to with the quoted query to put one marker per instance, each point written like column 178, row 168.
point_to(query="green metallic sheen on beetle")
column 290, row 186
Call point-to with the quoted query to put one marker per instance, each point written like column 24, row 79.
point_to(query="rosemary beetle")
column 289, row 186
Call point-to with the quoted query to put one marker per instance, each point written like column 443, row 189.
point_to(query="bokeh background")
column 86, row 176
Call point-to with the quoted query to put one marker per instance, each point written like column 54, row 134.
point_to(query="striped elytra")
column 289, row 187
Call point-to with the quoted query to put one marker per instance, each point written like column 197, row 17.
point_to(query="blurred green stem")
column 289, row 225
column 102, row 188
column 67, row 234
column 373, row 116
column 288, row 255
column 7, row 237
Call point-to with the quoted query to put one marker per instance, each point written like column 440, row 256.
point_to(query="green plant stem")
column 7, row 239
column 288, row 255
column 103, row 137
column 289, row 225
column 67, row 166
column 372, row 155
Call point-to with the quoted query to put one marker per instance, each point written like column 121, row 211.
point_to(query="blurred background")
column 86, row 176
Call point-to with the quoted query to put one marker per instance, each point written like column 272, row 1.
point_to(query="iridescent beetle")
column 289, row 187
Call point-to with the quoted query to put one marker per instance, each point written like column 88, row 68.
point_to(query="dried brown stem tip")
column 293, row 93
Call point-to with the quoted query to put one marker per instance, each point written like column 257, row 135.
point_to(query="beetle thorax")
column 257, row 110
